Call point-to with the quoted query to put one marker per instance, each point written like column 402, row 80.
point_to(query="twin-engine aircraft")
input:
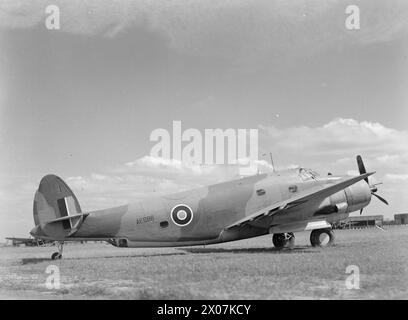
column 279, row 203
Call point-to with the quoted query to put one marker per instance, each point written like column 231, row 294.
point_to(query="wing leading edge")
column 303, row 197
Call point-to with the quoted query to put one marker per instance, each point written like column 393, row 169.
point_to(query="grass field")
column 248, row 269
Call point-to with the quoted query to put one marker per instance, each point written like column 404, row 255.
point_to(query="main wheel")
column 56, row 255
column 283, row 240
column 322, row 237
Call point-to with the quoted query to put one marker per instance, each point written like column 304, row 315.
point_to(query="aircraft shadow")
column 25, row 261
column 138, row 255
column 34, row 260
column 271, row 250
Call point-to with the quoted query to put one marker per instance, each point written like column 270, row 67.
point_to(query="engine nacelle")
column 353, row 198
column 358, row 196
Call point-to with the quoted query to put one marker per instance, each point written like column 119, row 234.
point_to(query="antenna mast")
column 273, row 166
column 270, row 155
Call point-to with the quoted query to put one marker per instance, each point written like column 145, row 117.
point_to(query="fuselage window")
column 260, row 192
column 293, row 188
column 164, row 224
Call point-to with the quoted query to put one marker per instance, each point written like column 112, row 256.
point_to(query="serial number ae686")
column 145, row 219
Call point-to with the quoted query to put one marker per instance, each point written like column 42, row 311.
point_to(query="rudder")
column 53, row 200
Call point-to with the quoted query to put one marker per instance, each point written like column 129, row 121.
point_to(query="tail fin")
column 54, row 200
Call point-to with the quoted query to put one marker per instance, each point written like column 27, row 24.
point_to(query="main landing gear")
column 283, row 240
column 318, row 238
column 322, row 237
column 58, row 255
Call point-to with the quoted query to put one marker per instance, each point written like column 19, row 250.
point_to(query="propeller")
column 361, row 167
column 373, row 188
column 380, row 198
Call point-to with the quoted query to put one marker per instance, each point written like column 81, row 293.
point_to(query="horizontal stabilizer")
column 69, row 218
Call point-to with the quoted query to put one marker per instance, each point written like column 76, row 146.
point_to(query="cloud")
column 339, row 138
column 396, row 177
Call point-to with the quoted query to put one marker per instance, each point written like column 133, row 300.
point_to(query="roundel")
column 181, row 215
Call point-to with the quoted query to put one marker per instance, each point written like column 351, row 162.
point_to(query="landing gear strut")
column 322, row 237
column 58, row 255
column 283, row 240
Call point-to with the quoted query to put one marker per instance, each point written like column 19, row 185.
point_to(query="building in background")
column 401, row 218
column 360, row 222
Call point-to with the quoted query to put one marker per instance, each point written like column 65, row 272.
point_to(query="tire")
column 322, row 237
column 283, row 240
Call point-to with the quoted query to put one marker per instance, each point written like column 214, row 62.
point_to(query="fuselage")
column 154, row 221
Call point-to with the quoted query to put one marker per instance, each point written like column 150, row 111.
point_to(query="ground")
column 248, row 269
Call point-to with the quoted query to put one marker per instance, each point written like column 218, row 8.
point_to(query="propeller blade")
column 380, row 198
column 361, row 167
column 361, row 211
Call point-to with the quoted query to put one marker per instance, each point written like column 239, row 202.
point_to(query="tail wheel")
column 322, row 237
column 56, row 255
column 283, row 240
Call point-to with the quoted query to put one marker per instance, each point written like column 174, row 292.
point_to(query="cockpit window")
column 307, row 174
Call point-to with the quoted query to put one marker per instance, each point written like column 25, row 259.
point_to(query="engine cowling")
column 358, row 196
column 351, row 199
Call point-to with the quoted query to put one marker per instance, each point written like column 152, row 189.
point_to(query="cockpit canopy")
column 307, row 174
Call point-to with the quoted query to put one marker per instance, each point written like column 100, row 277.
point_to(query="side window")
column 164, row 224
column 293, row 188
column 260, row 192
column 306, row 174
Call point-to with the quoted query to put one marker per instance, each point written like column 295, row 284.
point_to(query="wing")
column 318, row 192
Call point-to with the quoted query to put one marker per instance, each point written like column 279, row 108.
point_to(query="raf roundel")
column 181, row 215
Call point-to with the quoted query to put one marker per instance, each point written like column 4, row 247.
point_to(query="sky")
column 81, row 101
